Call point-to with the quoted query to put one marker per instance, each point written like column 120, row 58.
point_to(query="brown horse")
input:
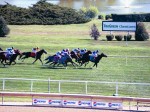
column 37, row 56
column 85, row 60
column 11, row 59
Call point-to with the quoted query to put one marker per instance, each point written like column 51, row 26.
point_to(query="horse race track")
column 54, row 38
column 47, row 109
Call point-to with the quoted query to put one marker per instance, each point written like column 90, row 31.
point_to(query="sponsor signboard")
column 118, row 26
column 79, row 103
column 39, row 102
column 84, row 103
column 99, row 104
column 115, row 105
column 55, row 102
column 70, row 103
column 106, row 105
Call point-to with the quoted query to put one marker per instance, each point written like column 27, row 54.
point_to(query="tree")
column 89, row 13
column 141, row 34
column 94, row 32
column 4, row 30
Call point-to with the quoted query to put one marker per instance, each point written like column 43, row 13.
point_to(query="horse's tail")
column 47, row 58
column 21, row 54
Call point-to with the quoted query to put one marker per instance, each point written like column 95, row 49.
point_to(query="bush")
column 127, row 37
column 100, row 17
column 94, row 32
column 107, row 17
column 89, row 13
column 4, row 30
column 141, row 34
column 118, row 37
column 110, row 37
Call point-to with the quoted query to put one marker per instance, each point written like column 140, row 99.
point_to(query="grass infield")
column 54, row 38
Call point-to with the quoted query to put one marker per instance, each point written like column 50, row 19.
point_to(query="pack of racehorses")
column 76, row 59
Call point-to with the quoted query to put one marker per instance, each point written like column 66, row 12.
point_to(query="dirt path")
column 47, row 109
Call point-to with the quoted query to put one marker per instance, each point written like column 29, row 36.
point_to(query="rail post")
column 59, row 87
column 86, row 87
column 3, row 84
column 116, row 89
column 126, row 60
column 49, row 85
column 31, row 87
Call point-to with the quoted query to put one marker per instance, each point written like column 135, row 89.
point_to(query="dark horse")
column 63, row 60
column 11, row 59
column 74, row 55
column 85, row 60
column 85, row 56
column 37, row 57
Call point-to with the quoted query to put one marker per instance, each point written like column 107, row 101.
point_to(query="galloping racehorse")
column 84, row 57
column 50, row 59
column 74, row 55
column 64, row 61
column 37, row 56
column 12, row 58
column 85, row 60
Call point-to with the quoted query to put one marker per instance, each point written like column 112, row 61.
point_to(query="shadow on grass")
column 62, row 67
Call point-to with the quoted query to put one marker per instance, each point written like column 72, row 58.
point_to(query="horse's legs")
column 35, row 61
column 41, row 61
column 54, row 64
column 23, row 58
column 2, row 63
column 95, row 64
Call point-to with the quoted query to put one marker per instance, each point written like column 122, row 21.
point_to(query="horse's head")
column 103, row 55
column 1, row 49
column 89, row 52
column 17, row 51
column 43, row 51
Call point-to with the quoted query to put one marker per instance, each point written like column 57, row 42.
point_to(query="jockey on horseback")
column 94, row 55
column 9, row 52
column 34, row 51
column 83, row 51
column 57, row 57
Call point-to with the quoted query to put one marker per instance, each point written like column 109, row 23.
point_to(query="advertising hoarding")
column 118, row 26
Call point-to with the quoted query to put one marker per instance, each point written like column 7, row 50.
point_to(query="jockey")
column 62, row 52
column 9, row 52
column 75, row 51
column 67, row 51
column 34, row 51
column 82, row 51
column 94, row 55
column 58, row 53
column 57, row 56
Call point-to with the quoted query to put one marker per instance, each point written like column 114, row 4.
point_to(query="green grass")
column 54, row 38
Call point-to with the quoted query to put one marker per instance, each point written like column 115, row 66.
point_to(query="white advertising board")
column 40, row 102
column 55, row 102
column 70, row 103
column 107, row 105
column 99, row 104
column 118, row 26
column 84, row 103
column 78, row 103
column 115, row 105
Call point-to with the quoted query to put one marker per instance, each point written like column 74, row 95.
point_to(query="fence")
column 128, row 57
column 75, row 87
column 78, row 101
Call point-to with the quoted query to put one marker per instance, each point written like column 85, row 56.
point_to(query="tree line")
column 41, row 13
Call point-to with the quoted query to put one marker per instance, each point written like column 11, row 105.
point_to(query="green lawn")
column 54, row 38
